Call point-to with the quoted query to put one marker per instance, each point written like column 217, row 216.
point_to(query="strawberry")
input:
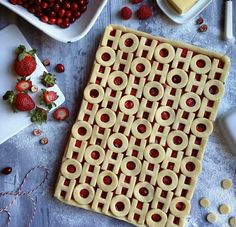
column 61, row 114
column 47, row 98
column 136, row 1
column 23, row 85
column 144, row 12
column 126, row 13
column 25, row 63
column 38, row 115
column 19, row 101
column 48, row 79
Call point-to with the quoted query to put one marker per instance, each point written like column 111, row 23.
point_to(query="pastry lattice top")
column 136, row 149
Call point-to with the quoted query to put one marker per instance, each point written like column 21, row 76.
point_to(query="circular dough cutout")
column 94, row 155
column 232, row 222
column 144, row 192
column 165, row 116
column 214, row 90
column 156, row 217
column 71, row 169
column 83, row 194
column 117, row 81
column 106, row 56
column 224, row 209
column 131, row 166
column 205, row 202
column 177, row 78
column 180, row 207
column 140, row 67
column 202, row 127
column 105, row 118
column 107, row 181
column 81, row 130
column 141, row 128
column 201, row 64
column 120, row 205
column 154, row 153
column 167, row 180
column 118, row 142
column 128, row 42
column 211, row 218
column 94, row 93
column 129, row 104
column 177, row 140
column 153, row 91
column 164, row 53
column 191, row 167
column 190, row 102
column 226, row 184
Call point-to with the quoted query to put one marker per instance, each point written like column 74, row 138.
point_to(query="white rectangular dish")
column 12, row 123
column 75, row 32
column 181, row 19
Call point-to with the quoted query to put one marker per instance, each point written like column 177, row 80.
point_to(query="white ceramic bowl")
column 181, row 19
column 75, row 32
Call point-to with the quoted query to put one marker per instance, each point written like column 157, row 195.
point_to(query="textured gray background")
column 23, row 151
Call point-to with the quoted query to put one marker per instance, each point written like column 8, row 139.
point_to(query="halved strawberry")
column 61, row 114
column 48, row 79
column 23, row 85
column 47, row 98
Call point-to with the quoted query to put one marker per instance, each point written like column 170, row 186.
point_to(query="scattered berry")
column 47, row 98
column 37, row 132
column 203, row 28
column 44, row 141
column 23, row 85
column 34, row 89
column 7, row 170
column 60, row 68
column 200, row 20
column 61, row 114
column 46, row 62
column 25, row 63
column 48, row 79
column 20, row 101
column 136, row 1
column 39, row 115
column 144, row 12
column 126, row 13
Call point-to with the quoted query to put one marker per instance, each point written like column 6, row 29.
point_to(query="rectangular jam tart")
column 136, row 148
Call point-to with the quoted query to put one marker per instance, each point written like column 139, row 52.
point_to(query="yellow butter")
column 182, row 6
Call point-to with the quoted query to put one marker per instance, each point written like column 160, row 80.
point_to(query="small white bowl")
column 75, row 32
column 181, row 19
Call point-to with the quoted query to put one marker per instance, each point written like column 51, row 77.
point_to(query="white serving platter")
column 12, row 123
column 182, row 19
column 75, row 32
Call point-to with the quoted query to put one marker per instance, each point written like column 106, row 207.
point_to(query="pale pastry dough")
column 205, row 202
column 232, row 222
column 212, row 218
column 224, row 209
column 226, row 184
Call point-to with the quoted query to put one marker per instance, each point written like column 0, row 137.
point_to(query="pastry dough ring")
column 133, row 47
column 111, row 81
column 88, row 152
column 169, row 57
column 220, row 92
column 197, row 164
column 111, row 121
column 134, row 171
column 180, row 213
column 177, row 72
column 106, row 50
column 171, row 118
column 132, row 110
column 177, row 147
column 142, row 61
column 121, row 137
column 208, row 124
column 81, row 200
column 66, row 173
column 157, row 147
column 146, row 91
column 145, row 199
column 168, row 173
column 105, row 187
column 86, row 126
column 97, row 88
column 197, row 69
column 161, row 222
column 125, row 201
column 190, row 95
column 138, row 134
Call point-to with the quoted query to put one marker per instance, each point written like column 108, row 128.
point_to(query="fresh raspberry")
column 136, row 1
column 144, row 12
column 126, row 13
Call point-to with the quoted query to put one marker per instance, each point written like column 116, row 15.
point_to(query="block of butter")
column 182, row 6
